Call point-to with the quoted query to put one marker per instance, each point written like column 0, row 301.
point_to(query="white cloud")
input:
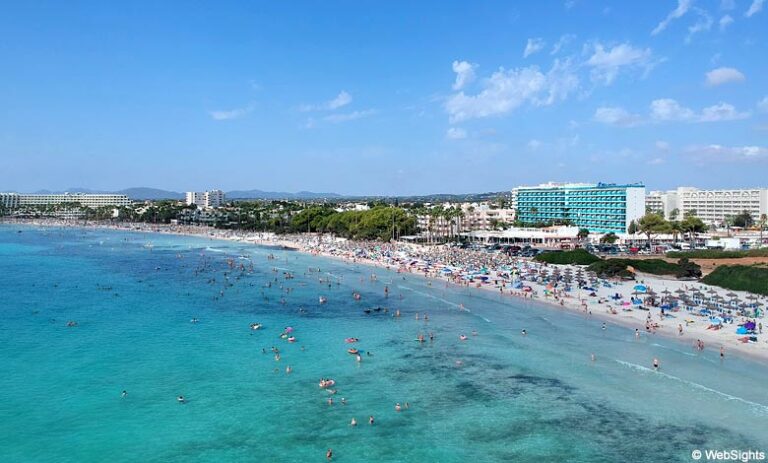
column 667, row 109
column 533, row 46
column 656, row 161
column 702, row 25
column 616, row 116
column 682, row 8
column 725, row 21
column 562, row 41
column 569, row 4
column 727, row 4
column 341, row 100
column 762, row 105
column 534, row 144
column 721, row 112
column 506, row 90
column 455, row 133
column 728, row 153
column 754, row 8
column 561, row 81
column 465, row 74
column 228, row 114
column 354, row 115
column 502, row 92
column 606, row 64
column 723, row 75
column 662, row 145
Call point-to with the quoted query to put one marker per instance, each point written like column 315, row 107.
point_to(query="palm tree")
column 763, row 220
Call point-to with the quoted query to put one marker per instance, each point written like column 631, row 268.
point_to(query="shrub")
column 739, row 277
column 688, row 269
column 618, row 267
column 577, row 257
column 718, row 254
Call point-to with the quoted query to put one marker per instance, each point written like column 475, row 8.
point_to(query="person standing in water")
column 655, row 363
column 124, row 394
column 329, row 454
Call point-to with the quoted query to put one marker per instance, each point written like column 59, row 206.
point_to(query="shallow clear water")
column 512, row 398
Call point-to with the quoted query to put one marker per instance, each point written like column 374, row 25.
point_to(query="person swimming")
column 370, row 420
column 524, row 332
column 655, row 363
column 353, row 422
column 329, row 454
column 398, row 407
column 181, row 399
column 462, row 337
column 124, row 394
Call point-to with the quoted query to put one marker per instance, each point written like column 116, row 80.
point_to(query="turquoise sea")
column 497, row 397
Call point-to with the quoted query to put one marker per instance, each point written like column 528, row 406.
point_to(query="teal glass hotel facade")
column 600, row 208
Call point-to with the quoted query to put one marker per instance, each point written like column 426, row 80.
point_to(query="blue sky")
column 383, row 97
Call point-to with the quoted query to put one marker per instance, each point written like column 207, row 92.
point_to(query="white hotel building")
column 711, row 206
column 93, row 201
column 205, row 199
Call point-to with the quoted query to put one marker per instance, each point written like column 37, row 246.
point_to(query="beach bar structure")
column 600, row 208
column 544, row 237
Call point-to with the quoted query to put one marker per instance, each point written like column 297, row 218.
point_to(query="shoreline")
column 590, row 307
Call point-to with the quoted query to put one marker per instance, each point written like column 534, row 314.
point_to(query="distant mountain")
column 69, row 190
column 150, row 193
column 259, row 194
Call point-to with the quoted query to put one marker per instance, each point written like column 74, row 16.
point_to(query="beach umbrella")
column 640, row 288
column 666, row 292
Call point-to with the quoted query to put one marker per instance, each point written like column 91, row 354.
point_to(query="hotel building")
column 600, row 208
column 20, row 200
column 475, row 217
column 205, row 199
column 711, row 206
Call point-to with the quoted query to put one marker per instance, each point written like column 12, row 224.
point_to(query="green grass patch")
column 577, row 257
column 718, row 254
column 739, row 277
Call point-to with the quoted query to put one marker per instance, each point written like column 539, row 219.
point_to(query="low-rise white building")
column 546, row 236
